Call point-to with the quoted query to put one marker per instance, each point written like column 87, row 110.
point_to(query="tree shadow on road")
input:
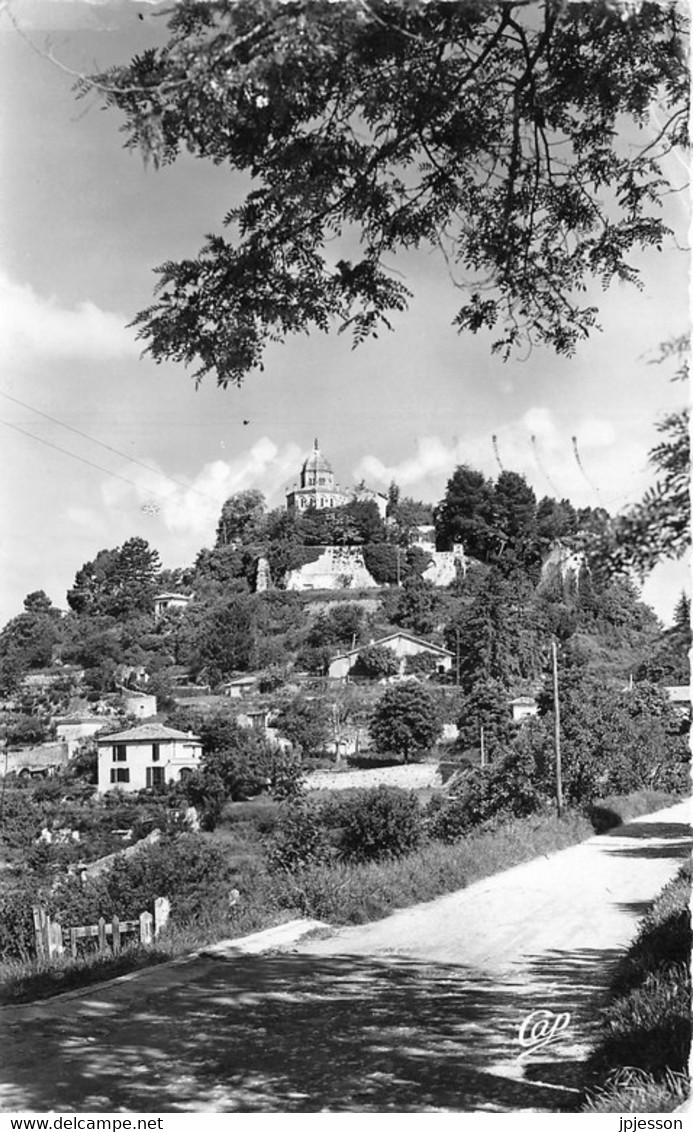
column 669, row 831
column 289, row 1033
column 674, row 838
column 578, row 982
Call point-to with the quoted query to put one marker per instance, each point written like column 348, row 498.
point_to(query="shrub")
column 382, row 562
column 190, row 871
column 376, row 662
column 505, row 788
column 421, row 664
column 380, row 822
column 647, row 1024
column 297, row 841
column 16, row 921
column 610, row 742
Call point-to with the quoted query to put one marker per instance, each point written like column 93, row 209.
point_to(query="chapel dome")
column 316, row 462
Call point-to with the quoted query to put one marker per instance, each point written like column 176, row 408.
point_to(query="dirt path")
column 423, row 1016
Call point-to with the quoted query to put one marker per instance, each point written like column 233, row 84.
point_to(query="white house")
column 402, row 645
column 523, row 707
column 146, row 757
column 162, row 602
column 239, row 687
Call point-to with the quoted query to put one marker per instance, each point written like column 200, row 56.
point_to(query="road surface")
column 419, row 1012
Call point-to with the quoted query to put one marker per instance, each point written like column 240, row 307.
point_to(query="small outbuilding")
column 164, row 602
column 523, row 707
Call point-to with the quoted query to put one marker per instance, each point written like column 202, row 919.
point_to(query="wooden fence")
column 51, row 937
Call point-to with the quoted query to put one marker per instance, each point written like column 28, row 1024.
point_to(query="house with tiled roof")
column 147, row 757
column 402, row 645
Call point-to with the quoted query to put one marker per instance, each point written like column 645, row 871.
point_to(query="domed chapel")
column 317, row 487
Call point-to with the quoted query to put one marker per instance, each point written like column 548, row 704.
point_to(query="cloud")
column 192, row 511
column 600, row 469
column 35, row 327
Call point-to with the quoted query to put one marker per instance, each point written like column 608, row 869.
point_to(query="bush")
column 503, row 789
column 16, row 920
column 190, row 871
column 193, row 873
column 377, row 823
column 647, row 1024
column 297, row 841
column 382, row 562
column 421, row 664
column 376, row 662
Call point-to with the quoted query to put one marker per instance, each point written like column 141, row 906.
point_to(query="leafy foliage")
column 418, row 605
column 421, row 664
column 118, row 582
column 297, row 841
column 505, row 788
column 406, row 721
column 668, row 662
column 304, row 723
column 376, row 662
column 486, row 706
column 486, row 130
column 241, row 518
column 501, row 631
column 658, row 527
column 28, row 641
column 611, row 741
column 379, row 823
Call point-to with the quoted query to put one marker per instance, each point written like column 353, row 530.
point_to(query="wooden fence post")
column 115, row 939
column 73, row 942
column 103, row 946
column 38, row 915
column 55, row 939
column 162, row 911
column 146, row 920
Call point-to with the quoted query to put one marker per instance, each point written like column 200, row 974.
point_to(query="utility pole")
column 4, row 781
column 483, row 752
column 557, row 732
column 457, row 657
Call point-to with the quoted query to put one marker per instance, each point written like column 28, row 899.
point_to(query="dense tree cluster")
column 488, row 131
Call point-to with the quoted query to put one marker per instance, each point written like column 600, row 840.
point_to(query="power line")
column 82, row 459
column 108, row 447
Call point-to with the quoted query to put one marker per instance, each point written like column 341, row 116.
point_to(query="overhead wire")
column 83, row 459
column 108, row 447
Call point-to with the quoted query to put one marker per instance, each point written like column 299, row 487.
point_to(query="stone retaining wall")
column 414, row 776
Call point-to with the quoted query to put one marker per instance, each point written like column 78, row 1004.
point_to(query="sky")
column 99, row 444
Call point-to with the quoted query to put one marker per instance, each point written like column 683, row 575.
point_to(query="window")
column 120, row 753
column 156, row 752
column 155, row 778
column 120, row 774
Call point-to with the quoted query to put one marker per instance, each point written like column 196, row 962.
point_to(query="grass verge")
column 338, row 893
column 640, row 1059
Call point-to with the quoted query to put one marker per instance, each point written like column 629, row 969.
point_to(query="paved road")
column 423, row 1016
